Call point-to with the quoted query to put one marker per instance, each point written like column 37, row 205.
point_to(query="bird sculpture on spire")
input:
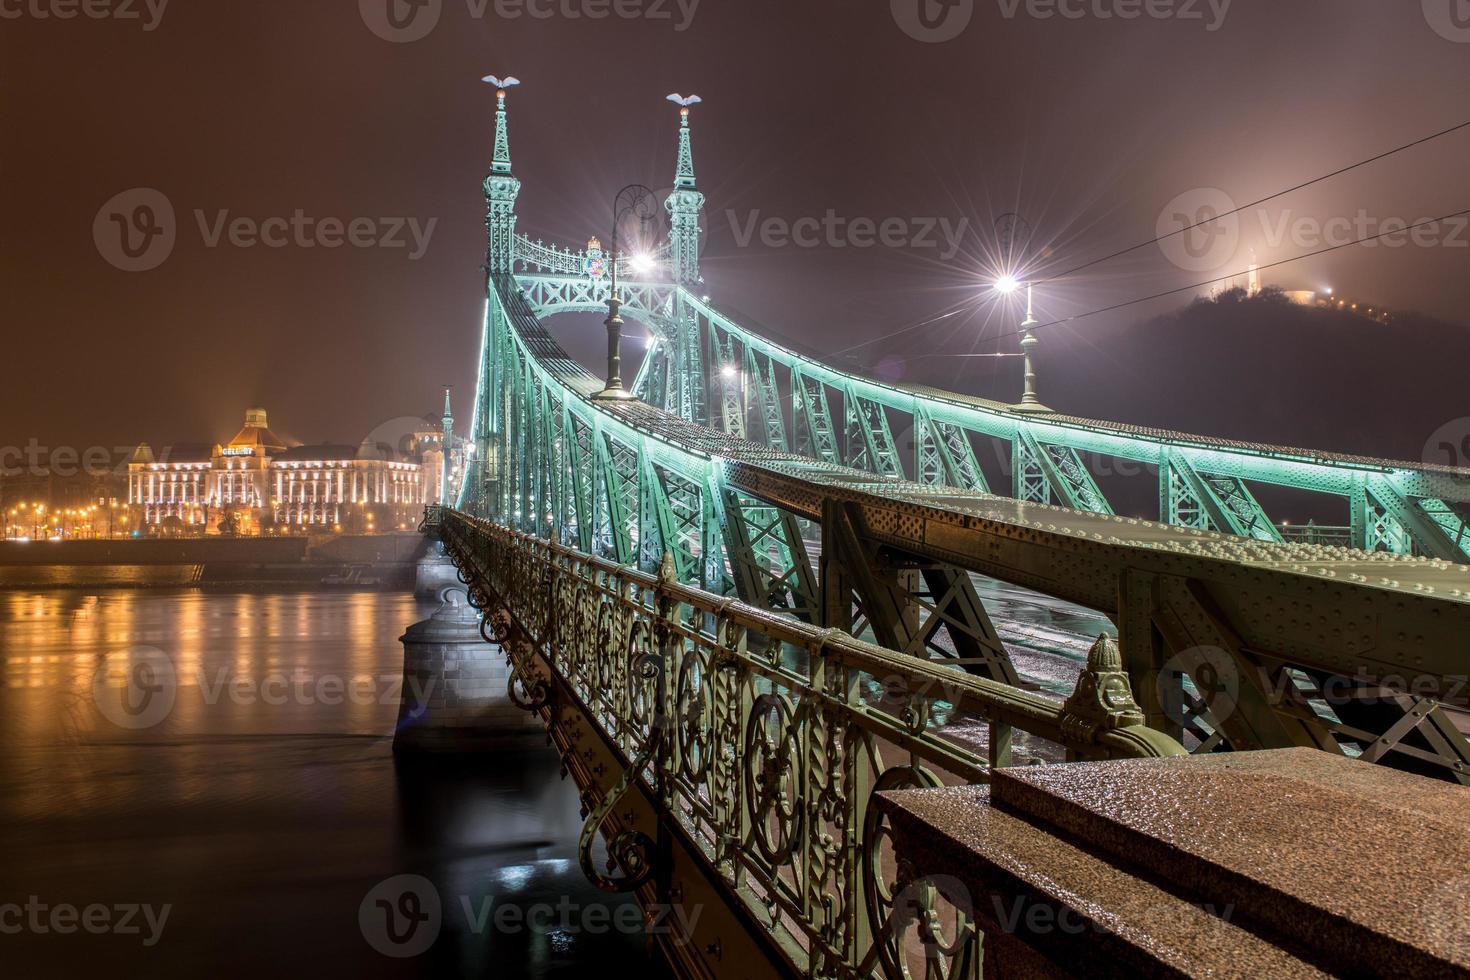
column 685, row 101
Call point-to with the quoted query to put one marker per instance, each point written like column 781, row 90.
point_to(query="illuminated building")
column 257, row 484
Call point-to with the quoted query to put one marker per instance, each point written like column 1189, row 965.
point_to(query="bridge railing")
column 766, row 739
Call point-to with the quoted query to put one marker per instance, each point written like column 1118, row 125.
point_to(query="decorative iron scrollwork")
column 526, row 688
column 692, row 704
column 773, row 777
column 630, row 850
column 901, row 905
column 495, row 627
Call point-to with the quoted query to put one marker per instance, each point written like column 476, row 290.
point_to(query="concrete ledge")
column 1284, row 863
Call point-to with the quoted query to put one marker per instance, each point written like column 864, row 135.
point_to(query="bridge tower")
column 501, row 190
column 446, row 448
column 685, row 204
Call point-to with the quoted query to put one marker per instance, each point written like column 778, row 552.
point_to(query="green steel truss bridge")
column 730, row 708
column 739, row 454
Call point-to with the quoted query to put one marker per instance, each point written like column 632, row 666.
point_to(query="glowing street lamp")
column 1006, row 285
column 633, row 201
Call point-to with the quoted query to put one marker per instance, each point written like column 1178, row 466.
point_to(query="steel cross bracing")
column 1285, row 622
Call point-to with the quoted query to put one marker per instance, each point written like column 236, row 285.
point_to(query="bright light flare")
column 1006, row 285
column 642, row 263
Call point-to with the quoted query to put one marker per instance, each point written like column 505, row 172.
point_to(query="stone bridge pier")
column 455, row 686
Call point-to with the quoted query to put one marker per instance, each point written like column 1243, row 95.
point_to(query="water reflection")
column 266, row 804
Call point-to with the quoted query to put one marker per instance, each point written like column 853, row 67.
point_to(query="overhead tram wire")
column 1236, row 275
column 904, row 330
column 1200, row 224
column 1255, row 204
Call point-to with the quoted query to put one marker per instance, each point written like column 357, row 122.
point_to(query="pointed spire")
column 502, row 137
column 501, row 164
column 685, row 177
column 501, row 189
column 685, row 204
column 446, row 450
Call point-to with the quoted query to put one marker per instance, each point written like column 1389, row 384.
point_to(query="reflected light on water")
column 242, row 806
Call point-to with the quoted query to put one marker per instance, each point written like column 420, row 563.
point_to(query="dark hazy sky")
column 1088, row 127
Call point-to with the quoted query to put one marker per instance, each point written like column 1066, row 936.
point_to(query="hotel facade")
column 258, row 484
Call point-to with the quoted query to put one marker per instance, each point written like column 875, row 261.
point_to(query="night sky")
column 1087, row 127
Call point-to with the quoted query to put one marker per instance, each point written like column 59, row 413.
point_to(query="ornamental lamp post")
column 634, row 201
column 1029, row 400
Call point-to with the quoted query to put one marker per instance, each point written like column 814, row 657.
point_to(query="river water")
column 247, row 827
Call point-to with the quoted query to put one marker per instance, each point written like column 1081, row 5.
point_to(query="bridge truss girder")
column 1190, row 498
column 768, row 558
column 1202, row 482
column 631, row 485
column 1398, row 508
column 1170, row 630
column 906, row 602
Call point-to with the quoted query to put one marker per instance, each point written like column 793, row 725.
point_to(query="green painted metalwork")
column 946, row 457
column 1193, row 499
column 765, row 742
column 1203, row 483
column 812, row 422
column 638, row 480
column 869, row 439
column 1049, row 473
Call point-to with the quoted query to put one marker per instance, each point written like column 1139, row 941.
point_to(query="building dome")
column 257, row 436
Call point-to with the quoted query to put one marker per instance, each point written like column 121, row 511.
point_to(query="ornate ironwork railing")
column 1309, row 533
column 541, row 257
column 766, row 739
